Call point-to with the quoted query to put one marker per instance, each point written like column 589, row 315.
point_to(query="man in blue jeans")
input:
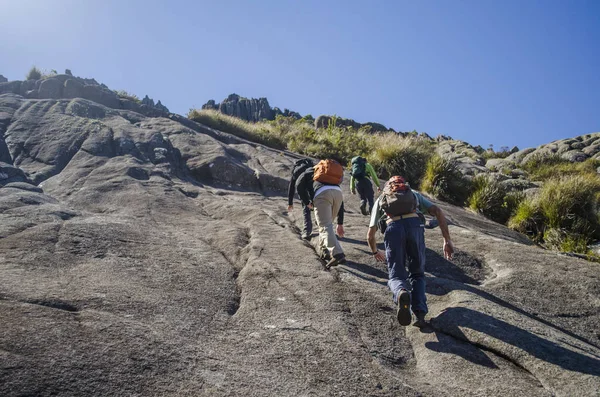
column 404, row 241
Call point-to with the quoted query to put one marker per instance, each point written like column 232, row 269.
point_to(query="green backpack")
column 359, row 167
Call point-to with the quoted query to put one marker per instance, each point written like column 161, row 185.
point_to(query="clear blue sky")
column 488, row 72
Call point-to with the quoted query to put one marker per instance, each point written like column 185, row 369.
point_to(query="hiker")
column 299, row 167
column 318, row 188
column 396, row 214
column 359, row 180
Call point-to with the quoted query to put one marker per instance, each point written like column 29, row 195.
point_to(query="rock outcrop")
column 66, row 86
column 142, row 253
column 3, row 79
column 576, row 149
column 249, row 109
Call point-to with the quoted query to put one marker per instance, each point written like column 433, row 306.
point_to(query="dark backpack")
column 359, row 167
column 300, row 166
column 398, row 198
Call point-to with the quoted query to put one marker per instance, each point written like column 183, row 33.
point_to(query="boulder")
column 101, row 95
column 12, row 87
column 50, row 89
column 72, row 89
column 3, row 79
column 9, row 173
column 574, row 156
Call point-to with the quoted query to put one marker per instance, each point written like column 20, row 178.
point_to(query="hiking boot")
column 325, row 255
column 363, row 209
column 338, row 259
column 306, row 236
column 403, row 313
column 420, row 322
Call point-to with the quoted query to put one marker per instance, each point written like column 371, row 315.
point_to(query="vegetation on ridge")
column 389, row 152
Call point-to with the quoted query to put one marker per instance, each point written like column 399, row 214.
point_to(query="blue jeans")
column 404, row 242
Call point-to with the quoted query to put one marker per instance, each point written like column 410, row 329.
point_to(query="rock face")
column 156, row 257
column 66, row 86
column 249, row 109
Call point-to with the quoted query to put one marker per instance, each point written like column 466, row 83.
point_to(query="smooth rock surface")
column 160, row 260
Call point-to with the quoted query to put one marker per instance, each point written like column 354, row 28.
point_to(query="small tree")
column 34, row 74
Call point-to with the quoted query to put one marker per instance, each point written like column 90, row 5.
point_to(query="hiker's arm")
column 340, row 215
column 378, row 255
column 436, row 211
column 372, row 174
column 340, row 221
column 291, row 192
column 352, row 185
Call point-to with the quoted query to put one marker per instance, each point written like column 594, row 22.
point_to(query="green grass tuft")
column 444, row 181
column 564, row 215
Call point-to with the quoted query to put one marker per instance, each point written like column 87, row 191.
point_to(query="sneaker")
column 324, row 254
column 363, row 209
column 420, row 322
column 338, row 259
column 403, row 313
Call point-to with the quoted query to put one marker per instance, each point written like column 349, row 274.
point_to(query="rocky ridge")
column 142, row 253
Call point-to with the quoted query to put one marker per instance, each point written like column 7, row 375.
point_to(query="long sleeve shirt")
column 370, row 173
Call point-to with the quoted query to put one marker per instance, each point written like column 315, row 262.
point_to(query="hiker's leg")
column 324, row 215
column 363, row 192
column 393, row 240
column 415, row 252
column 336, row 198
column 307, row 230
column 370, row 194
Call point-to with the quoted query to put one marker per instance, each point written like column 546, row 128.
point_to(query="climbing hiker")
column 396, row 214
column 318, row 188
column 360, row 179
column 299, row 167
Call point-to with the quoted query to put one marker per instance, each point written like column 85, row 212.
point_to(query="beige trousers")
column 327, row 205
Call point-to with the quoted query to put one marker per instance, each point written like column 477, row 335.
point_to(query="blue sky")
column 485, row 71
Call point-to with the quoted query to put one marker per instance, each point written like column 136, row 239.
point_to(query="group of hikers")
column 397, row 213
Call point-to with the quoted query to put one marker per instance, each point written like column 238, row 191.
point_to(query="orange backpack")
column 329, row 172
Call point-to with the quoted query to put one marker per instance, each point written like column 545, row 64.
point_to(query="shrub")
column 34, row 74
column 392, row 154
column 564, row 214
column 257, row 132
column 491, row 199
column 126, row 95
column 444, row 180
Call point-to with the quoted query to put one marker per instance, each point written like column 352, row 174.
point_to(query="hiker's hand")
column 310, row 206
column 448, row 249
column 378, row 190
column 379, row 256
column 340, row 230
column 290, row 208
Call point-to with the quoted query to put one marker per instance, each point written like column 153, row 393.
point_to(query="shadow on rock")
column 455, row 318
column 442, row 286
